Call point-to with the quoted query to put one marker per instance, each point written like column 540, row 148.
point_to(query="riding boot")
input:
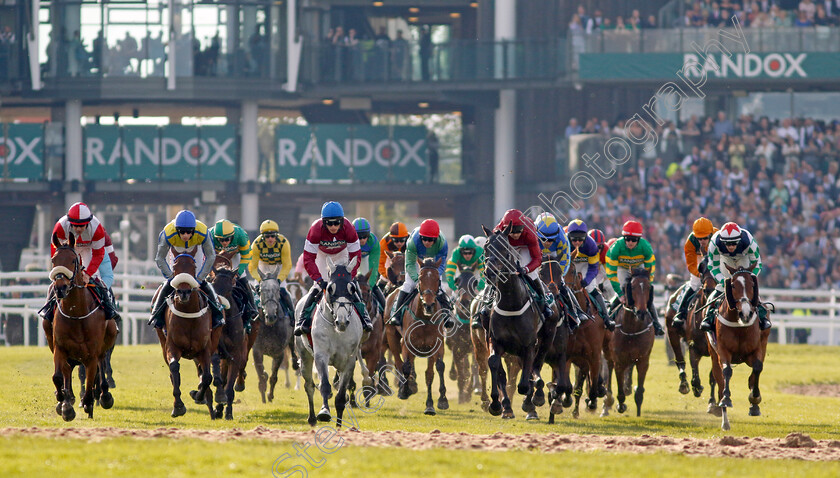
column 598, row 300
column 679, row 319
column 654, row 316
column 107, row 304
column 569, row 303
column 396, row 315
column 215, row 305
column 159, row 307
column 249, row 312
column 304, row 322
column 763, row 322
column 578, row 311
column 380, row 298
column 443, row 299
column 364, row 317
column 708, row 324
column 48, row 309
column 482, row 315
column 287, row 302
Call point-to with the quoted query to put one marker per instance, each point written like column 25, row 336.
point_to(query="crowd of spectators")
column 710, row 13
column 778, row 179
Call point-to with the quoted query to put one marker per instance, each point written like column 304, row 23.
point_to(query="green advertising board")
column 664, row 66
column 22, row 151
column 359, row 152
column 168, row 153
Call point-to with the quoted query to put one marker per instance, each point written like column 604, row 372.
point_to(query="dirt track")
column 794, row 446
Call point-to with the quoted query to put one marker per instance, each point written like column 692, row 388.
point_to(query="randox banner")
column 361, row 153
column 664, row 66
column 168, row 153
column 21, row 151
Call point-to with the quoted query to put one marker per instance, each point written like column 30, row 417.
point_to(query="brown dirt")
column 794, row 446
column 817, row 390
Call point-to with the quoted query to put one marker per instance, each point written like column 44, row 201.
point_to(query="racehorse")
column 459, row 340
column 189, row 333
column 738, row 339
column 335, row 339
column 395, row 270
column 557, row 356
column 373, row 346
column 233, row 344
column 633, row 338
column 694, row 338
column 421, row 335
column 481, row 350
column 81, row 333
column 515, row 326
column 275, row 334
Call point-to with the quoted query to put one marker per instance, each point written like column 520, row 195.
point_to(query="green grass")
column 143, row 400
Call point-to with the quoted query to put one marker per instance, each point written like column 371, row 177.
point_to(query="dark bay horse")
column 233, row 343
column 225, row 259
column 515, row 327
column 458, row 341
column 692, row 336
column 632, row 340
column 275, row 335
column 373, row 346
column 738, row 339
column 189, row 333
column 80, row 333
column 395, row 270
column 421, row 335
column 481, row 350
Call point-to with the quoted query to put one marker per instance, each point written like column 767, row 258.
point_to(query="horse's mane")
column 429, row 262
column 639, row 272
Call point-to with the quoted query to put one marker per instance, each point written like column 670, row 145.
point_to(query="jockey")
column 269, row 249
column 696, row 248
column 187, row 235
column 425, row 241
column 598, row 236
column 395, row 240
column 630, row 251
column 587, row 263
column 734, row 247
column 90, row 245
column 524, row 240
column 332, row 237
column 109, row 261
column 369, row 245
column 230, row 237
column 555, row 245
column 468, row 253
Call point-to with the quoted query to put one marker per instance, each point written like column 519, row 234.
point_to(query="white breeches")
column 342, row 257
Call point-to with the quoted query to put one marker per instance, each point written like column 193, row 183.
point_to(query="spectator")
column 573, row 128
column 723, row 126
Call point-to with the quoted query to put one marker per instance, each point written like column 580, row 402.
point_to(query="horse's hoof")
column 89, row 410
column 111, row 383
column 229, row 415
column 107, row 400
column 495, row 409
column 239, row 386
column 324, row 416
column 443, row 403
column 68, row 413
column 622, row 407
column 591, row 405
column 726, row 402
column 684, row 388
column 575, row 413
column 58, row 408
column 196, row 397
column 508, row 415
column 539, row 398
column 430, row 410
column 523, row 388
column 179, row 410
column 453, row 374
column 532, row 415
column 755, row 411
column 556, row 407
column 220, row 396
column 567, row 401
column 485, row 406
column 714, row 410
column 476, row 391
column 697, row 391
column 217, row 381
column 311, row 420
column 411, row 386
column 605, row 412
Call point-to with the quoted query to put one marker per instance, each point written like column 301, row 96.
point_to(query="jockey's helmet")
column 480, row 241
column 429, row 228
column 398, row 229
column 598, row 236
column 547, row 227
column 223, row 229
column 702, row 227
column 185, row 220
column 332, row 209
column 730, row 233
column 361, row 225
column 576, row 230
column 466, row 242
column 269, row 226
column 514, row 218
column 632, row 228
column 79, row 214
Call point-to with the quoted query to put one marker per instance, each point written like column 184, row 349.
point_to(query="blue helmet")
column 547, row 227
column 362, row 225
column 332, row 209
column 185, row 219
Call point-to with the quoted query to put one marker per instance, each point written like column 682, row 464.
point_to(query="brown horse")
column 738, row 339
column 632, row 340
column 458, row 340
column 80, row 333
column 225, row 259
column 421, row 335
column 189, row 333
column 395, row 270
column 233, row 344
column 373, row 347
column 692, row 336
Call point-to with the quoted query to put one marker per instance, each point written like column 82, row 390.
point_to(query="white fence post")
column 832, row 315
column 42, row 338
column 25, row 320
